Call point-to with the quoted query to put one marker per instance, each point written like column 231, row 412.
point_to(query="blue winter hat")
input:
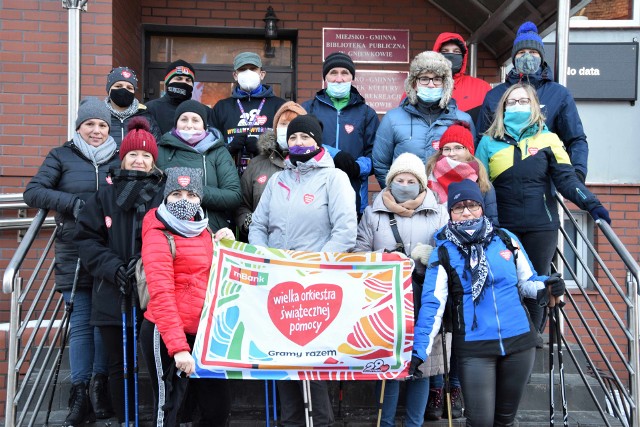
column 464, row 190
column 527, row 38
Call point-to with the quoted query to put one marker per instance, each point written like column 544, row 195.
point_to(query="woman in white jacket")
column 309, row 206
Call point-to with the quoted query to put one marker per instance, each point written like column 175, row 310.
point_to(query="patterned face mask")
column 183, row 209
column 527, row 64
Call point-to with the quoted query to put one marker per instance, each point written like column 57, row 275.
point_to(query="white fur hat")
column 435, row 63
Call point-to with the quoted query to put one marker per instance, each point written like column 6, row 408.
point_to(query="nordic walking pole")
column 552, row 325
column 125, row 368
column 447, row 388
column 65, row 336
column 134, row 324
column 266, row 402
column 308, row 408
column 380, row 402
column 565, row 414
column 275, row 400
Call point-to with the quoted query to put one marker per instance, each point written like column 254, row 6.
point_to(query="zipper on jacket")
column 97, row 176
column 204, row 174
column 546, row 208
column 338, row 130
column 495, row 307
column 121, row 129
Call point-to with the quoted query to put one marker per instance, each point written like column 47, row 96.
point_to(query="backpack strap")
column 396, row 234
column 172, row 243
column 508, row 242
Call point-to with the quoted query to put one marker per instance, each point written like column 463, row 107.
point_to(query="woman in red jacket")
column 177, row 283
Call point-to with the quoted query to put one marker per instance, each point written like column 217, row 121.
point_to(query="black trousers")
column 113, row 344
column 540, row 247
column 292, row 404
column 493, row 387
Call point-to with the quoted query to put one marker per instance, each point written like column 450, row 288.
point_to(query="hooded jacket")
column 502, row 324
column 522, row 173
column 404, row 129
column 118, row 128
column 64, row 177
column 557, row 105
column 221, row 183
column 469, row 92
column 307, row 207
column 352, row 130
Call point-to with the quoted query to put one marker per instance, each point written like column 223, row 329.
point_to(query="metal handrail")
column 15, row 201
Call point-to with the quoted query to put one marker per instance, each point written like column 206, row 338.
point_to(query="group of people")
column 455, row 161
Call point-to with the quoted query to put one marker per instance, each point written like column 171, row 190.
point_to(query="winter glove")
column 599, row 212
column 122, row 280
column 131, row 268
column 247, row 222
column 555, row 285
column 414, row 372
column 331, row 150
column 237, row 144
column 252, row 146
column 580, row 176
column 346, row 163
column 421, row 253
column 77, row 207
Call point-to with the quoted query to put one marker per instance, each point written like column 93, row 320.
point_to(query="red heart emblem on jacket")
column 108, row 221
column 261, row 120
column 436, row 144
column 533, row 151
column 302, row 314
column 308, row 198
column 506, row 254
column 348, row 128
column 261, row 179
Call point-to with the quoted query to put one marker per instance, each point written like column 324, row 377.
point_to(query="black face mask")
column 121, row 97
column 179, row 91
column 456, row 61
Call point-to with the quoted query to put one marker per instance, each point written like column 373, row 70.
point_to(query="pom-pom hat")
column 460, row 133
column 138, row 137
column 527, row 38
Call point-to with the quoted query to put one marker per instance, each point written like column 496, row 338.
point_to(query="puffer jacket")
column 468, row 91
column 558, row 106
column 352, row 130
column 307, row 207
column 64, row 177
column 118, row 127
column 497, row 324
column 522, row 172
column 255, row 177
column 108, row 237
column 404, row 129
column 177, row 287
column 221, row 183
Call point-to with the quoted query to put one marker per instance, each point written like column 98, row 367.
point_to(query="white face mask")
column 248, row 80
column 281, row 134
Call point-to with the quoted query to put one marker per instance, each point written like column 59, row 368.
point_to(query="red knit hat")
column 138, row 137
column 460, row 133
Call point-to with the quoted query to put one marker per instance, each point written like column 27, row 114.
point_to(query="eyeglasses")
column 521, row 101
column 458, row 208
column 437, row 81
column 454, row 149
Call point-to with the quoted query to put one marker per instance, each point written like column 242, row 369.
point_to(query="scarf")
column 406, row 209
column 201, row 146
column 97, row 155
column 303, row 158
column 122, row 115
column 446, row 171
column 182, row 227
column 471, row 237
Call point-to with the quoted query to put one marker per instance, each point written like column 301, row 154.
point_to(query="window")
column 586, row 226
column 608, row 14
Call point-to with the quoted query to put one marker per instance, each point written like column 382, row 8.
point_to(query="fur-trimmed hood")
column 267, row 142
column 436, row 63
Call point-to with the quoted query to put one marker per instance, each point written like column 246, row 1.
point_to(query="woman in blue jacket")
column 484, row 271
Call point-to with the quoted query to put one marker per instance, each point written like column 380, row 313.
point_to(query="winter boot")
column 100, row 398
column 456, row 404
column 80, row 410
column 434, row 405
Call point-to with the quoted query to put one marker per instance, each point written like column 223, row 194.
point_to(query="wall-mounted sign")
column 362, row 45
column 382, row 90
column 601, row 71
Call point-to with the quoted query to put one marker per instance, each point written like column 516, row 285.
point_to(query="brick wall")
column 608, row 9
column 127, row 37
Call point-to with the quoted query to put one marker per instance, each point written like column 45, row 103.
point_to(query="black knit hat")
column 191, row 106
column 307, row 124
column 179, row 68
column 338, row 59
column 122, row 74
column 464, row 190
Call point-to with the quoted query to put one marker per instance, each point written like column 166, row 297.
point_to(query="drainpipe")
column 73, row 88
column 473, row 59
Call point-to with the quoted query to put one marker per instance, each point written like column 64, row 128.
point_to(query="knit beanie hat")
column 527, row 38
column 181, row 178
column 244, row 58
column 191, row 106
column 410, row 163
column 464, row 190
column 122, row 74
column 179, row 68
column 93, row 108
column 307, row 124
column 433, row 62
column 139, row 137
column 338, row 59
column 458, row 132
column 288, row 106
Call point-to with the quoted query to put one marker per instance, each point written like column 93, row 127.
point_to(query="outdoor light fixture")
column 270, row 32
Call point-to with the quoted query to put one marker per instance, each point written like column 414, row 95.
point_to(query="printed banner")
column 286, row 315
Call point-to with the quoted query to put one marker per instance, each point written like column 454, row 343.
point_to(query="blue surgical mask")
column 402, row 193
column 516, row 121
column 429, row 94
column 339, row 90
column 527, row 64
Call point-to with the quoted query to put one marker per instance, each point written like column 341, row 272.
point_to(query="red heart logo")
column 126, row 74
column 109, row 181
column 348, row 128
column 506, row 254
column 262, row 179
column 184, row 180
column 108, row 221
column 436, row 144
column 261, row 120
column 533, row 151
column 308, row 198
column 302, row 314
column 384, row 368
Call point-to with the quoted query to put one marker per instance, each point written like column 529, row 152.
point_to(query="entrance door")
column 212, row 57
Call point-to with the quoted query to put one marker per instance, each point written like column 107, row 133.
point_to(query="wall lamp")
column 270, row 32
